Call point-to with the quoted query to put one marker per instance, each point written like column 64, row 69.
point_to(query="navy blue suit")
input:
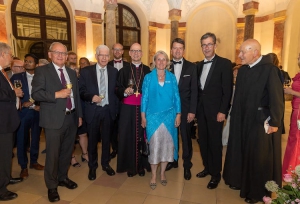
column 97, row 116
column 29, row 121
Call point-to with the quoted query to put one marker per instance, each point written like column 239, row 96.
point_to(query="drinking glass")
column 18, row 84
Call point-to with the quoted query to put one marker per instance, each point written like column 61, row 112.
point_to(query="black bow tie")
column 179, row 62
column 208, row 62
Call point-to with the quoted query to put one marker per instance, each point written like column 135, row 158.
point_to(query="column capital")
column 250, row 8
column 240, row 25
column 175, row 14
column 279, row 17
column 80, row 19
column 2, row 7
column 152, row 28
column 110, row 4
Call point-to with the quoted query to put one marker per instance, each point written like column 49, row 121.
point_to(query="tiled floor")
column 121, row 189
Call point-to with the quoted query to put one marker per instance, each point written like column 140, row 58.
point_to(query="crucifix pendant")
column 136, row 93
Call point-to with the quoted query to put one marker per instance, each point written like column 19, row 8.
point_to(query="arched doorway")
column 38, row 23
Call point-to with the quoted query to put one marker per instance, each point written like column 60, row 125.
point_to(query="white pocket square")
column 186, row 75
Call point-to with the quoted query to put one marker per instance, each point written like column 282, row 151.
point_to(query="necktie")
column 117, row 61
column 174, row 62
column 102, row 86
column 18, row 103
column 208, row 62
column 64, row 84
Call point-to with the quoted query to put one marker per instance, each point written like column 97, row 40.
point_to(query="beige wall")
column 163, row 40
column 264, row 33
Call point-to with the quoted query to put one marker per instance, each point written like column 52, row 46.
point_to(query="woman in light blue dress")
column 160, row 111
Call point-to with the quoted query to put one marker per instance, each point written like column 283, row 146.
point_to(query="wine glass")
column 130, row 83
column 102, row 94
column 287, row 82
column 18, row 84
column 69, row 85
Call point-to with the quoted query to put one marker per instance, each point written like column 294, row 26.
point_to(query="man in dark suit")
column 9, row 121
column 55, row 87
column 215, row 89
column 186, row 75
column 29, row 115
column 97, row 89
column 117, row 63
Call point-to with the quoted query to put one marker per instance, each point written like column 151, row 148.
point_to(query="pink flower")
column 294, row 185
column 267, row 200
column 297, row 200
column 287, row 178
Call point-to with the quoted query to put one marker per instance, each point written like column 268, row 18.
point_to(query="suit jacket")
column 9, row 119
column 89, row 87
column 44, row 85
column 111, row 63
column 216, row 95
column 187, row 86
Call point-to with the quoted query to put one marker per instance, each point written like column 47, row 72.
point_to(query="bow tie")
column 117, row 61
column 174, row 62
column 208, row 62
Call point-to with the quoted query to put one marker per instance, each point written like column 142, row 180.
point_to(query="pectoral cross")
column 136, row 93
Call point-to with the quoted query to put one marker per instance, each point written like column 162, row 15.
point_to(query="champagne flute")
column 18, row 84
column 69, row 86
column 130, row 83
column 102, row 95
column 287, row 82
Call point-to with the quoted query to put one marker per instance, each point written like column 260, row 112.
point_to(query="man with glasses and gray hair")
column 214, row 94
column 97, row 90
column 56, row 88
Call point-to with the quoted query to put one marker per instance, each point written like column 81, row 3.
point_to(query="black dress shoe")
column 250, row 200
column 8, row 195
column 53, row 195
column 202, row 174
column 234, row 187
column 108, row 170
column 15, row 180
column 213, row 183
column 68, row 183
column 129, row 174
column 92, row 174
column 142, row 172
column 187, row 174
column 171, row 165
column 113, row 154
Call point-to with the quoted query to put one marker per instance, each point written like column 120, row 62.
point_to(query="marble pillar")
column 81, row 35
column 182, row 31
column 240, row 27
column 174, row 16
column 110, row 22
column 249, row 9
column 3, row 32
column 279, row 22
column 152, row 42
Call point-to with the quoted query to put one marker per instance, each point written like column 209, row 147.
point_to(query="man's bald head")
column 250, row 51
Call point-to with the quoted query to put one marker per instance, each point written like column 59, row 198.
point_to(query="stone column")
column 182, row 31
column 110, row 22
column 239, row 40
column 3, row 32
column 81, row 35
column 97, row 31
column 152, row 42
column 249, row 9
column 279, row 20
column 174, row 16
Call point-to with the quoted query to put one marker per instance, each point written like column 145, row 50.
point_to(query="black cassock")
column 254, row 157
column 131, row 133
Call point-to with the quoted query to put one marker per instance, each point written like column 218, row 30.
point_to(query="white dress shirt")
column 106, row 102
column 178, row 69
column 118, row 65
column 205, row 71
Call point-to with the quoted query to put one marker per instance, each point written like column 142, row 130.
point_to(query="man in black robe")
column 131, row 133
column 254, row 148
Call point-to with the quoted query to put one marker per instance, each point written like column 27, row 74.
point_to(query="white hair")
column 101, row 47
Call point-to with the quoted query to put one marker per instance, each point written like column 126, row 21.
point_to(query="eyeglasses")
column 103, row 56
column 136, row 51
column 20, row 67
column 57, row 53
column 117, row 50
column 28, row 61
column 11, row 55
column 207, row 45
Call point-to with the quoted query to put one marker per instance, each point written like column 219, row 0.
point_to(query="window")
column 38, row 23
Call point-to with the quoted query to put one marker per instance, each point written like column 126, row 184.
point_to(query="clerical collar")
column 137, row 65
column 256, row 62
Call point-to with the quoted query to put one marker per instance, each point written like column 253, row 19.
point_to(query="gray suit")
column 60, row 129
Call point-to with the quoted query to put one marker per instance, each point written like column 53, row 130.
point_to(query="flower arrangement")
column 288, row 194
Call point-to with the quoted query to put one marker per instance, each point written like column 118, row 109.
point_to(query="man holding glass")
column 9, row 121
column 97, row 90
column 131, row 133
column 29, row 115
column 55, row 87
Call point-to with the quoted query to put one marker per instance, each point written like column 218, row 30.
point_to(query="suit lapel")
column 210, row 70
column 53, row 73
column 182, row 71
column 25, row 83
column 94, row 77
column 172, row 68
